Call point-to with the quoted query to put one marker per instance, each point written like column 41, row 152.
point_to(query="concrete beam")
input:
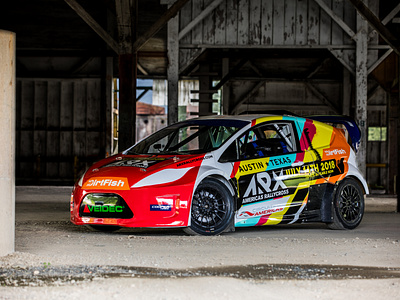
column 7, row 145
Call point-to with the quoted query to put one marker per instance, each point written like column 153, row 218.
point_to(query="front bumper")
column 156, row 207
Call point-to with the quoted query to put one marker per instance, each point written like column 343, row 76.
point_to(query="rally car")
column 212, row 174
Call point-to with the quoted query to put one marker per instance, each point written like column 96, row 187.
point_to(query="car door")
column 272, row 180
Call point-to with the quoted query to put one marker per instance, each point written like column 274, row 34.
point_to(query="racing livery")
column 212, row 174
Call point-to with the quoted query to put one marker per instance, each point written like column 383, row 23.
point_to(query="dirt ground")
column 47, row 242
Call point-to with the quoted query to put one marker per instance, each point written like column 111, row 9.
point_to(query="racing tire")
column 104, row 228
column 212, row 209
column 348, row 205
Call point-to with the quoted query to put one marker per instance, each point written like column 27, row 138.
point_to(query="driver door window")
column 267, row 140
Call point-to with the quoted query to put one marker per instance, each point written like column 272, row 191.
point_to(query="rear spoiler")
column 348, row 122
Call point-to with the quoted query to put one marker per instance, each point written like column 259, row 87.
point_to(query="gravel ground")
column 55, row 259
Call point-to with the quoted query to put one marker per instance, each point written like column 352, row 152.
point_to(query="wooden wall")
column 60, row 129
column 259, row 23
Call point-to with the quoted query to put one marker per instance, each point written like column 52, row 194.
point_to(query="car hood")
column 138, row 170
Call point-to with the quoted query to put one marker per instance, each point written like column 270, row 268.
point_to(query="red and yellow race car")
column 211, row 174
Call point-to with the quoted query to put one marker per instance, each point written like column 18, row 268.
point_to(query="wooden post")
column 225, row 88
column 127, row 101
column 127, row 23
column 7, row 145
column 173, row 69
column 361, row 90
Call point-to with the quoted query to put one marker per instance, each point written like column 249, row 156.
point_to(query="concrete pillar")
column 7, row 145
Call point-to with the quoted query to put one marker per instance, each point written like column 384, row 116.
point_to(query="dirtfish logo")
column 112, row 183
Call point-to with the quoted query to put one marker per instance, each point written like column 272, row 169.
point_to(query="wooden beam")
column 391, row 15
column 94, row 25
column 206, row 11
column 362, row 90
column 336, row 18
column 168, row 15
column 378, row 61
column 124, row 24
column 248, row 96
column 339, row 56
column 320, row 96
column 385, row 33
column 231, row 73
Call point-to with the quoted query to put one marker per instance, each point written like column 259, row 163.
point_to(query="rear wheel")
column 348, row 205
column 212, row 209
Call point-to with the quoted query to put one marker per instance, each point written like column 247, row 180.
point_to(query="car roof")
column 247, row 118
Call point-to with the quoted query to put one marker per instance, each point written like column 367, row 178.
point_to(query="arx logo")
column 262, row 182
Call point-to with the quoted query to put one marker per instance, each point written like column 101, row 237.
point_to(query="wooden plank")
column 266, row 22
column 197, row 31
column 337, row 19
column 209, row 25
column 79, row 106
column 278, row 26
column 52, row 154
column 209, row 6
column 301, row 22
column 337, row 32
column 66, row 104
column 53, row 105
column 27, row 104
column 93, row 117
column 290, row 23
column 349, row 17
column 40, row 109
column 255, row 22
column 325, row 25
column 94, row 25
column 231, row 22
column 220, row 23
column 185, row 18
column 313, row 23
column 243, row 22
column 66, row 151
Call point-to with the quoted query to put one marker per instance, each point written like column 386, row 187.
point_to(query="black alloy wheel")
column 348, row 205
column 212, row 208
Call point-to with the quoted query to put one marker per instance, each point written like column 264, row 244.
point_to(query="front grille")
column 103, row 205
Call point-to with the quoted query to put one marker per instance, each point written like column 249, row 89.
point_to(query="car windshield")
column 188, row 137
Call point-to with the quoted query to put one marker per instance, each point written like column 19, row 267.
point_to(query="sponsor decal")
column 160, row 207
column 143, row 163
column 190, row 161
column 262, row 211
column 107, row 183
column 103, row 208
column 264, row 185
column 322, row 168
column 253, row 166
column 266, row 196
column 279, row 161
column 334, row 152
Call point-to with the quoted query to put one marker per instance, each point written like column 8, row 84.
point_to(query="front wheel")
column 348, row 205
column 212, row 208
